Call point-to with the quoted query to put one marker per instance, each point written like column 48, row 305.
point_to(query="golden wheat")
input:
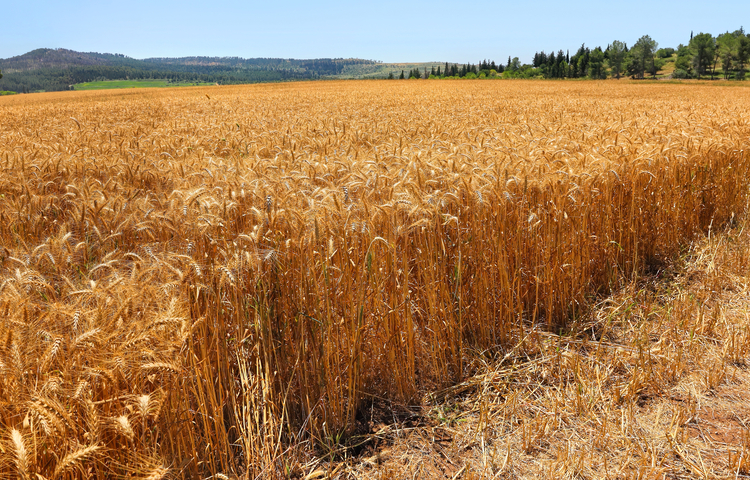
column 212, row 283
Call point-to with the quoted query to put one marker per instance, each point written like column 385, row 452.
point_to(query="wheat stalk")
column 21, row 459
column 74, row 460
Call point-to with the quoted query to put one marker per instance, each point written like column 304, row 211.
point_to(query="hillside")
column 45, row 58
column 48, row 69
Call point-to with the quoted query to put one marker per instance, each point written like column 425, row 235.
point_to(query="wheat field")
column 213, row 281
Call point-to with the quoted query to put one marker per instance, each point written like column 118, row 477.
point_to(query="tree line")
column 482, row 69
column 57, row 79
column 704, row 56
column 725, row 55
column 56, row 70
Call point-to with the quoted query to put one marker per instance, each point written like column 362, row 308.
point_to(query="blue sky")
column 387, row 30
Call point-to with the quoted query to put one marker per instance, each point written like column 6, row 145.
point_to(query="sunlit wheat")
column 212, row 281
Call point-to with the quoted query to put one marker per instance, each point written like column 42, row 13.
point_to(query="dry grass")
column 656, row 387
column 199, row 283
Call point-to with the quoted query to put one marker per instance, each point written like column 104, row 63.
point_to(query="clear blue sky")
column 387, row 30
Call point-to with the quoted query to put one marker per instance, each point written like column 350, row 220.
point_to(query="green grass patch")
column 6, row 92
column 155, row 83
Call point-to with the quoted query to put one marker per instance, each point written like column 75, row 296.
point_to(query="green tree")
column 726, row 50
column 617, row 53
column 703, row 47
column 656, row 65
column 562, row 71
column 642, row 56
column 743, row 55
column 579, row 62
column 665, row 52
column 596, row 64
column 402, row 75
column 390, row 76
column 683, row 64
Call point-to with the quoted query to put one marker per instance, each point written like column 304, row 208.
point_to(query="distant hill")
column 47, row 69
column 45, row 58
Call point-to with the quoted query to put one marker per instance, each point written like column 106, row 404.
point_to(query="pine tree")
column 402, row 75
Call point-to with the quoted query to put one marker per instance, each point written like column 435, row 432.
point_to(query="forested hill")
column 58, row 69
column 43, row 58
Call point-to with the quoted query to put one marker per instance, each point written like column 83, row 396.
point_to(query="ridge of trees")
column 58, row 69
column 704, row 55
column 482, row 69
column 726, row 55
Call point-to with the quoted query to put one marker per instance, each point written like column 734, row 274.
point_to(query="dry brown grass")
column 656, row 388
column 204, row 282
